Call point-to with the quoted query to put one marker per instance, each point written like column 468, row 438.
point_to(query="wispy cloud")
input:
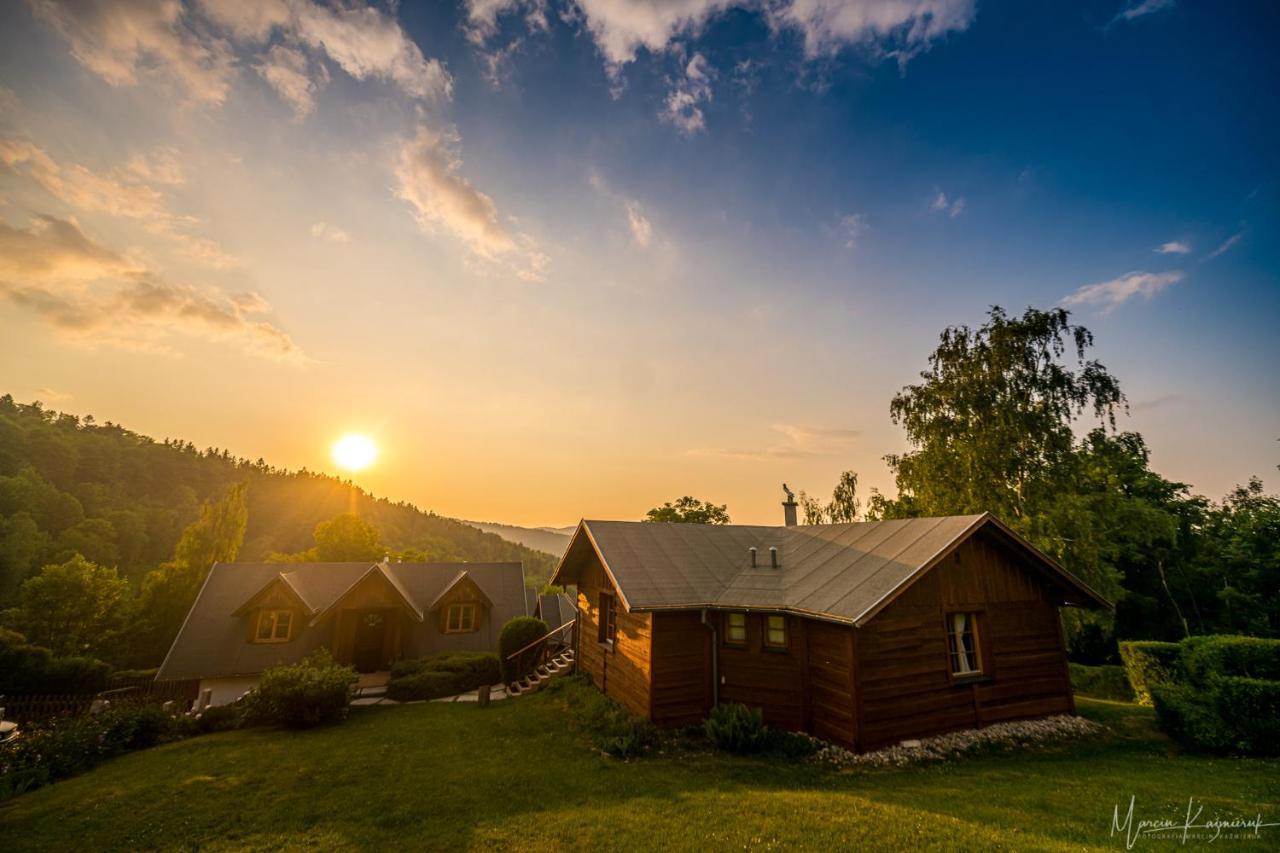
column 1226, row 245
column 329, row 233
column 1117, row 291
column 683, row 105
column 427, row 178
column 796, row 442
column 1174, row 247
column 851, row 227
column 50, row 395
column 92, row 293
column 952, row 207
column 1141, row 9
column 638, row 221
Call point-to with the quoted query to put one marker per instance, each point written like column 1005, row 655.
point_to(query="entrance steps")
column 556, row 666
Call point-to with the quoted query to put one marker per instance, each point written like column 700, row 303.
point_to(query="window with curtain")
column 735, row 629
column 775, row 632
column 962, row 634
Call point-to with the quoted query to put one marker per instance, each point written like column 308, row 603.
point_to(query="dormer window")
column 460, row 618
column 274, row 626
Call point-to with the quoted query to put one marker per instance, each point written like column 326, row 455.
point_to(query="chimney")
column 789, row 507
column 752, row 549
column 773, row 556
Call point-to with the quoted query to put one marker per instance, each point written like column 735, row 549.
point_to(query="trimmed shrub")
column 1185, row 715
column 442, row 675
column 220, row 718
column 300, row 695
column 1102, row 682
column 1148, row 664
column 1207, row 658
column 1249, row 709
column 737, row 728
column 30, row 670
column 516, row 634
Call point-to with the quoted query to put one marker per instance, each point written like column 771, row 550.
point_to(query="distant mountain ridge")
column 549, row 540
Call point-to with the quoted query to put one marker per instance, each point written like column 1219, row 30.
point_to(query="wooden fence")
column 27, row 709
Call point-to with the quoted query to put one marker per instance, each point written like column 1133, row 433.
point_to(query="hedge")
column 30, row 670
column 442, row 675
column 1149, row 664
column 1205, row 658
column 516, row 634
column 1102, row 682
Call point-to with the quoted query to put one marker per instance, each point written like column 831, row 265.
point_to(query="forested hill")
column 70, row 485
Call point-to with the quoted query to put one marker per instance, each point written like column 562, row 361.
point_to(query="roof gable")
column 842, row 572
column 463, row 586
column 377, row 577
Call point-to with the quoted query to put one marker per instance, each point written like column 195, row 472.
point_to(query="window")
column 735, row 629
column 274, row 626
column 608, row 630
column 775, row 632
column 962, row 637
column 460, row 619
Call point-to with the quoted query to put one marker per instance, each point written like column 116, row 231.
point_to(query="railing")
column 534, row 655
column 28, row 709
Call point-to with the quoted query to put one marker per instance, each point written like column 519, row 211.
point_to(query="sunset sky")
column 575, row 259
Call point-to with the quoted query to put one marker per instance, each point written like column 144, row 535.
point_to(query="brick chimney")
column 789, row 507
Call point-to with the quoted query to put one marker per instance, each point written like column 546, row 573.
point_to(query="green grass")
column 515, row 776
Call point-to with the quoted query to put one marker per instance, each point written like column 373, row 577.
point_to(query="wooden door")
column 371, row 632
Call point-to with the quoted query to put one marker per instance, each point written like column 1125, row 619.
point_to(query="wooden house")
column 862, row 634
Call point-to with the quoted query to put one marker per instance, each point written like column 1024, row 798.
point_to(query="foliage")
column 1149, row 664
column 1204, row 658
column 29, row 670
column 222, row 718
column 64, row 747
column 442, row 675
column 72, row 608
column 1249, row 709
column 1103, row 682
column 489, row 776
column 315, row 691
column 516, row 634
column 1240, row 568
column 842, row 509
column 734, row 727
column 345, row 538
column 610, row 727
column 689, row 510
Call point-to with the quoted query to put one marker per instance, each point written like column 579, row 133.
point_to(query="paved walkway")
column 496, row 692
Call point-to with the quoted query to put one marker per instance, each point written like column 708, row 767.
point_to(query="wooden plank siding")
column 681, row 682
column 624, row 671
column 905, row 686
column 766, row 678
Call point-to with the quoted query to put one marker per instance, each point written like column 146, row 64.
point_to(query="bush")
column 29, row 670
column 1185, row 715
column 1103, row 682
column 299, row 695
column 516, row 634
column 220, row 718
column 429, row 684
column 610, row 727
column 1207, row 658
column 1148, row 664
column 442, row 675
column 1249, row 709
column 123, row 677
column 790, row 744
column 737, row 728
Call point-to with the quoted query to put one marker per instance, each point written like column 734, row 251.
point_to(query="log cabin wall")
column 623, row 672
column 831, row 702
column 763, row 677
column 904, row 683
column 681, row 682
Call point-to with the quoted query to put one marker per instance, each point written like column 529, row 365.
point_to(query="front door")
column 371, row 633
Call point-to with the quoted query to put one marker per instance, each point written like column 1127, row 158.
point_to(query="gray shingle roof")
column 213, row 640
column 844, row 572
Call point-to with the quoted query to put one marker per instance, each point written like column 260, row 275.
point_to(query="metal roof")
column 842, row 572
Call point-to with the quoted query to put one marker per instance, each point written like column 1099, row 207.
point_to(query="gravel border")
column 946, row 747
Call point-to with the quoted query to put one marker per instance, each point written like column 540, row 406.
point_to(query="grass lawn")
column 511, row 776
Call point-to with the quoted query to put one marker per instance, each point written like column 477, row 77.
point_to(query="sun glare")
column 355, row 452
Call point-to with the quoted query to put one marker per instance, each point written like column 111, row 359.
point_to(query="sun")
column 354, row 452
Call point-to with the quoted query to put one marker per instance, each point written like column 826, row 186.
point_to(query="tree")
column 168, row 592
column 688, row 510
column 345, row 538
column 842, row 509
column 1241, row 574
column 72, row 608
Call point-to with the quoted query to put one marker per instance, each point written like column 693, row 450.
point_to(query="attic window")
column 461, row 619
column 274, row 626
column 962, row 638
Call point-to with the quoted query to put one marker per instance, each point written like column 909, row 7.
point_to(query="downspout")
column 715, row 661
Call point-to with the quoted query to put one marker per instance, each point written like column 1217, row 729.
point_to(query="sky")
column 573, row 259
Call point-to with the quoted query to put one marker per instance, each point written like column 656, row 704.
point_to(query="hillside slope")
column 543, row 539
column 121, row 499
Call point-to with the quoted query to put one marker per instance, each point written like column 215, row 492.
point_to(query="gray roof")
column 842, row 572
column 556, row 610
column 212, row 641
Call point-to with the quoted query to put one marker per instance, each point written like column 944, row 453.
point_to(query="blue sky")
column 575, row 259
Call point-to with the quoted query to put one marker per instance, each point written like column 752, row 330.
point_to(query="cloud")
column 1174, row 247
column 49, row 395
column 1117, row 291
column 330, row 233
column 1132, row 11
column 121, row 192
column 951, row 207
column 906, row 26
column 641, row 230
column 427, row 178
column 286, row 70
column 683, row 105
column 122, row 40
column 852, row 226
column 1226, row 245
column 92, row 293
column 797, row 442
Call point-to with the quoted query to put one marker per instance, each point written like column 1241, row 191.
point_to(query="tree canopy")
column 72, row 608
column 689, row 510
